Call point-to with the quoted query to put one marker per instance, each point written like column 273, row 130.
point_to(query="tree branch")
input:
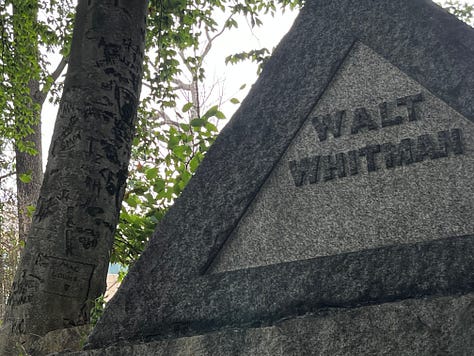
column 182, row 85
column 54, row 76
column 181, row 54
column 166, row 119
column 211, row 39
column 59, row 69
column 7, row 175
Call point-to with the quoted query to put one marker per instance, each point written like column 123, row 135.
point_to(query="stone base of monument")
column 431, row 326
column 69, row 339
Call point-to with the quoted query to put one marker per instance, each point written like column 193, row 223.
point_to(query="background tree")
column 9, row 243
column 25, row 84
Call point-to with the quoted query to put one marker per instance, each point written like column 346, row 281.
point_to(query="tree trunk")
column 64, row 264
column 27, row 193
column 32, row 165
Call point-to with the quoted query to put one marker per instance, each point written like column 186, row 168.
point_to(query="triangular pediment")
column 361, row 173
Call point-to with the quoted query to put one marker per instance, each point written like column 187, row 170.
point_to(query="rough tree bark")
column 28, row 193
column 64, row 264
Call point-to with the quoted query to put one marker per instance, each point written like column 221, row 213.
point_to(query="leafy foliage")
column 97, row 309
column 259, row 56
column 30, row 30
column 177, row 121
column 460, row 9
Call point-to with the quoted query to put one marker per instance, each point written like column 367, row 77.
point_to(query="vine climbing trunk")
column 27, row 112
column 64, row 264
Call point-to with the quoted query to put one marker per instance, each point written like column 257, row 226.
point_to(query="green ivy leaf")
column 25, row 177
column 30, row 210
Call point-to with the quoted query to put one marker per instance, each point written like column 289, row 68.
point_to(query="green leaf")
column 122, row 273
column 150, row 199
column 133, row 201
column 186, row 107
column 181, row 151
column 30, row 210
column 235, row 101
column 159, row 185
column 220, row 115
column 151, row 173
column 25, row 177
column 194, row 163
column 185, row 127
column 198, row 122
column 211, row 127
column 211, row 112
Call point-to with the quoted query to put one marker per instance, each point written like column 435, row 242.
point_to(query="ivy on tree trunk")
column 64, row 264
column 28, row 153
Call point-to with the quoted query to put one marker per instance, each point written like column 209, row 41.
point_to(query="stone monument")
column 334, row 215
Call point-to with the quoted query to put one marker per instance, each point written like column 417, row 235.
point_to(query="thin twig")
column 7, row 175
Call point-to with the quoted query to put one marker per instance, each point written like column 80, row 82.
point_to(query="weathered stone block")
column 434, row 326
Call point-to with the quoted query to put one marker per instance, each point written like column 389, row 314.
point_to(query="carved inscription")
column 65, row 277
column 342, row 122
column 52, row 275
column 373, row 157
column 24, row 290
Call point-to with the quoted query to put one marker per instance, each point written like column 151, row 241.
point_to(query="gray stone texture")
column 261, row 296
column 70, row 339
column 170, row 293
column 420, row 201
column 435, row 326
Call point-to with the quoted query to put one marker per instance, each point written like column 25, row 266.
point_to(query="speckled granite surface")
column 417, row 244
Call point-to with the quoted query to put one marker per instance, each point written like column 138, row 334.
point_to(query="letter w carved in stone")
column 329, row 122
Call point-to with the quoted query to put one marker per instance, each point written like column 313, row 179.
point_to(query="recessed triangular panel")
column 379, row 161
column 344, row 179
